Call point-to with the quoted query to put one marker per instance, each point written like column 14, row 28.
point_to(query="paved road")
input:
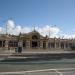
column 65, row 71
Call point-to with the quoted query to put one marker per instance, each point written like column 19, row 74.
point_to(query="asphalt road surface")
column 63, row 71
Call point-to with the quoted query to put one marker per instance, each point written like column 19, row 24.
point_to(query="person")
column 8, row 48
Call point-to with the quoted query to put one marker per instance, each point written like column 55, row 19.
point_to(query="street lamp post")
column 6, row 40
column 19, row 44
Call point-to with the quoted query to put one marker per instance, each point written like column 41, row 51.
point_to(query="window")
column 34, row 37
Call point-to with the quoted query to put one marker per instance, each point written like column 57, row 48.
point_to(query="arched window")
column 34, row 37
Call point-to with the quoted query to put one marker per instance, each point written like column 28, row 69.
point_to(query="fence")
column 64, row 71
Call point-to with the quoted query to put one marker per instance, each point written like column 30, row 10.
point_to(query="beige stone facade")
column 33, row 40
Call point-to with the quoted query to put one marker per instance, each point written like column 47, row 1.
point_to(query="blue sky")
column 40, row 13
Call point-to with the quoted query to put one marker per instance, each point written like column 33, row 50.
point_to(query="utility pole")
column 20, row 44
column 6, row 42
column 6, row 29
column 33, row 28
column 49, row 33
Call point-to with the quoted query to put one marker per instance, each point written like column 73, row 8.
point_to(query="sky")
column 55, row 18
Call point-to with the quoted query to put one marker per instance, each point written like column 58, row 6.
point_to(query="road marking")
column 24, row 72
column 60, row 73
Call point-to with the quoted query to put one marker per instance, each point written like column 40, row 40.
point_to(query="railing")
column 64, row 71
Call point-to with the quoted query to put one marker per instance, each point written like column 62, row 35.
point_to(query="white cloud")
column 1, row 29
column 45, row 30
column 42, row 30
column 25, row 29
column 67, row 36
column 54, row 30
column 10, row 24
column 18, row 28
column 15, row 30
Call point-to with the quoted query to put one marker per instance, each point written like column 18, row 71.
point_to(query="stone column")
column 59, row 44
column 47, row 45
column 2, row 43
column 64, row 45
column 41, row 44
column 27, row 44
column 55, row 45
column 6, row 44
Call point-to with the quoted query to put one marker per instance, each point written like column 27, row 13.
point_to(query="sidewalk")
column 35, row 51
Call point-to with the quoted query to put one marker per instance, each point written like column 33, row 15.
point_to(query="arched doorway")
column 34, row 41
column 34, row 44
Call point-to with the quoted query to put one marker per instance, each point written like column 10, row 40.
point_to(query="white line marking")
column 23, row 72
column 60, row 73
